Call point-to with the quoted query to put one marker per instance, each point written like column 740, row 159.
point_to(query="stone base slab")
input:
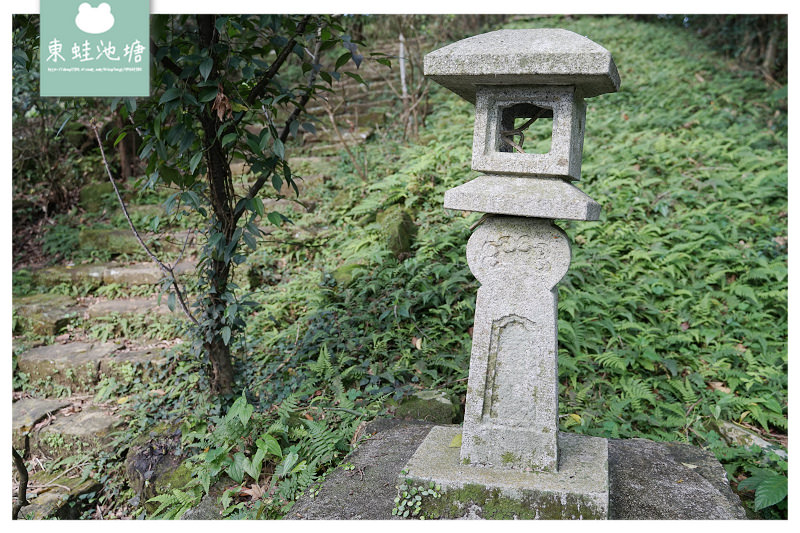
column 578, row 490
column 647, row 480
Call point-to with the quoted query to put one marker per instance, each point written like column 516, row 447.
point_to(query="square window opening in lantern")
column 526, row 128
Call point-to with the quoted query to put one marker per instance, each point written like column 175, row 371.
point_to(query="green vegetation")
column 673, row 315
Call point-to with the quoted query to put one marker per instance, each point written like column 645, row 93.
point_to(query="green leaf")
column 226, row 336
column 205, row 67
column 195, row 161
column 274, row 218
column 278, row 148
column 229, row 138
column 170, row 95
column 270, row 444
column 171, row 301
column 208, row 94
column 772, row 489
column 344, row 58
column 285, row 467
column 120, row 137
column 236, row 468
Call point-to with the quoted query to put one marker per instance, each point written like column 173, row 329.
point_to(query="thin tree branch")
column 277, row 64
column 22, row 499
column 166, row 269
column 166, row 61
column 312, row 76
column 362, row 171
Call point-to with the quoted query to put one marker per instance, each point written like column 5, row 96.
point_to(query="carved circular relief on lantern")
column 532, row 250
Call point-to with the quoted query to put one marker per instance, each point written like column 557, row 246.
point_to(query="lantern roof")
column 524, row 57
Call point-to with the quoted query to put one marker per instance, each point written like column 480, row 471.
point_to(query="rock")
column 141, row 273
column 95, row 196
column 647, row 480
column 429, row 406
column 45, row 314
column 75, row 365
column 154, row 465
column 742, row 437
column 87, row 275
column 367, row 491
column 129, row 307
column 146, row 362
column 523, row 196
column 398, row 229
column 27, row 412
column 347, row 273
column 60, row 499
column 668, row 481
column 68, row 435
column 114, row 241
column 209, row 507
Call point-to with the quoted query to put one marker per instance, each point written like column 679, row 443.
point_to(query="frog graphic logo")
column 94, row 20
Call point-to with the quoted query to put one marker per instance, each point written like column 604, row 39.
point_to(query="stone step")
column 97, row 275
column 81, row 365
column 71, row 433
column 142, row 273
column 327, row 135
column 130, row 306
column 75, row 365
column 27, row 412
column 52, row 495
column 360, row 104
column 46, row 314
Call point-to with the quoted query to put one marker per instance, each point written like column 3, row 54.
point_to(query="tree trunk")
column 219, row 355
column 220, row 187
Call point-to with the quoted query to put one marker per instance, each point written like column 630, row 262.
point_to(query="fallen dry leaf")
column 417, row 342
column 718, row 385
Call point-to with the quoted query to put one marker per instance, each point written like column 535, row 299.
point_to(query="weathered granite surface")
column 668, row 481
column 647, row 480
column 511, row 412
column 527, row 197
column 523, row 57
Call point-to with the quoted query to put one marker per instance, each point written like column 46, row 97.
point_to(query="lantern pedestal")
column 577, row 490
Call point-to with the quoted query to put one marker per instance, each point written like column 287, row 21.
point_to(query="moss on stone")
column 89, row 276
column 114, row 241
column 61, row 500
column 95, row 196
column 398, row 229
column 44, row 314
column 346, row 274
column 431, row 406
column 476, row 501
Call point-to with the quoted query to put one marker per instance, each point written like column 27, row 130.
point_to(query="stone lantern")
column 528, row 87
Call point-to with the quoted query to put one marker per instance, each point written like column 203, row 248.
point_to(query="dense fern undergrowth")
column 672, row 317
